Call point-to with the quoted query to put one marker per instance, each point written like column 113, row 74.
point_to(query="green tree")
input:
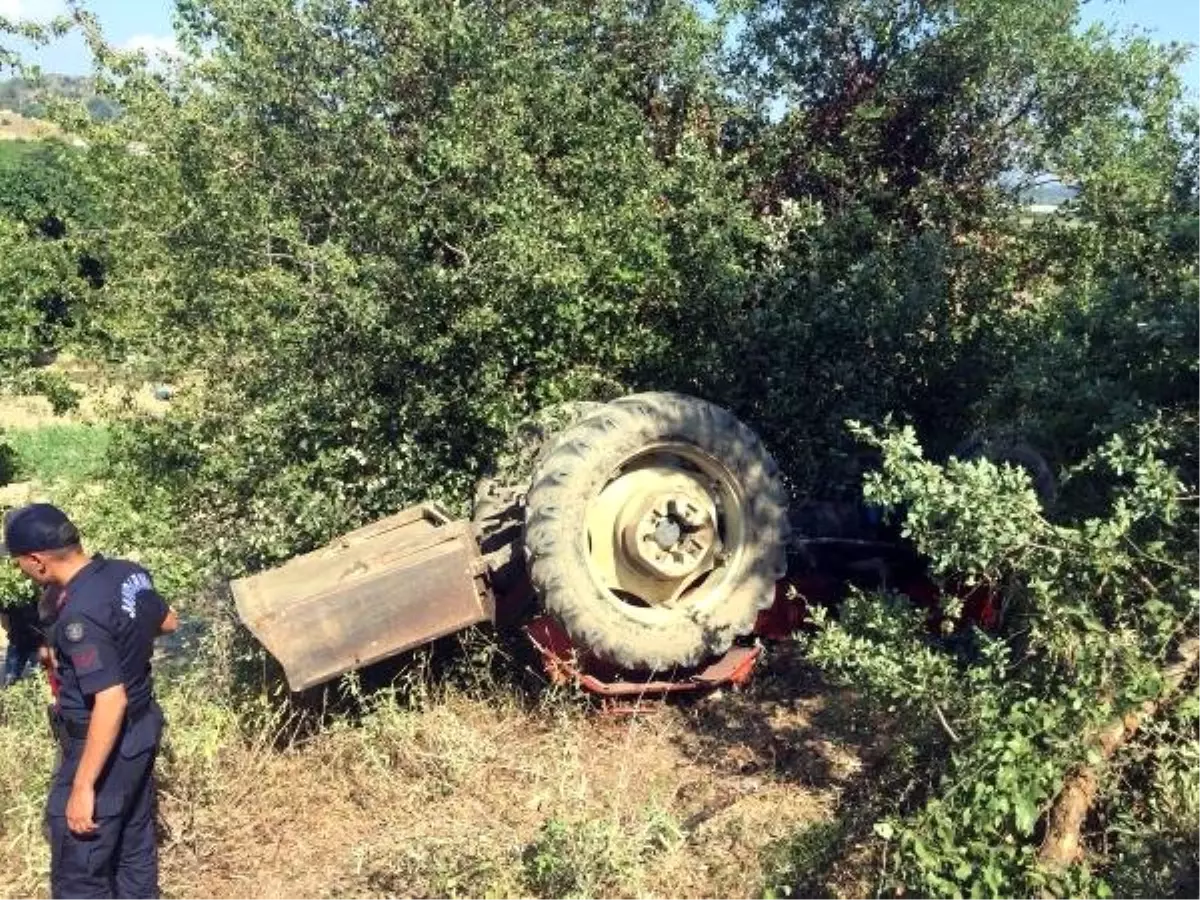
column 369, row 237
column 50, row 265
column 894, row 172
column 384, row 232
column 36, row 199
column 381, row 229
column 887, row 146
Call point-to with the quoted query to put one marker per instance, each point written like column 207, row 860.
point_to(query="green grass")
column 53, row 453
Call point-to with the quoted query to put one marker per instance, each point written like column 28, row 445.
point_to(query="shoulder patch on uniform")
column 86, row 659
column 133, row 585
column 73, row 631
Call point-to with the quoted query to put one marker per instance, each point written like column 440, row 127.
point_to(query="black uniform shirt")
column 105, row 635
column 22, row 628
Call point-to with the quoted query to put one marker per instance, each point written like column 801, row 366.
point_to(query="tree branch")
column 1062, row 845
column 945, row 725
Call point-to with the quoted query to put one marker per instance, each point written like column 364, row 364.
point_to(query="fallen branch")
column 1062, row 845
column 945, row 725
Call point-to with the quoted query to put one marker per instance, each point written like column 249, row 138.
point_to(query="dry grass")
column 452, row 798
column 475, row 790
column 16, row 127
column 103, row 390
column 477, row 794
column 26, row 759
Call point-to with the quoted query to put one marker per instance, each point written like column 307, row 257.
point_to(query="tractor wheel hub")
column 671, row 536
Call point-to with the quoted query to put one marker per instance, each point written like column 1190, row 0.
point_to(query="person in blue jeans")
column 24, row 638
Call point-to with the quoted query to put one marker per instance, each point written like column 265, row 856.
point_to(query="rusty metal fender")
column 388, row 587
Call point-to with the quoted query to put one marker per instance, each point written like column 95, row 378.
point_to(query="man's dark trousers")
column 119, row 858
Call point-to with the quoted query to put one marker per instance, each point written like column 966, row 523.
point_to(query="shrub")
column 1093, row 608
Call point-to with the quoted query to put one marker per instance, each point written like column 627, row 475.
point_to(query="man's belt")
column 68, row 727
column 74, row 728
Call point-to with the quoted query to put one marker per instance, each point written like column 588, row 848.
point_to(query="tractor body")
column 650, row 550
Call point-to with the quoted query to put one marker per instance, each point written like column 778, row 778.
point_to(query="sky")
column 146, row 24
column 1164, row 20
column 129, row 24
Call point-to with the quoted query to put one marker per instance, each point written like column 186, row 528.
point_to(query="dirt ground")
column 452, row 801
column 99, row 388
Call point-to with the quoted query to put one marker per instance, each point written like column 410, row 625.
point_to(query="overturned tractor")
column 646, row 553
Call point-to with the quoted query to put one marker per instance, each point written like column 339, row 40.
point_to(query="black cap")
column 37, row 527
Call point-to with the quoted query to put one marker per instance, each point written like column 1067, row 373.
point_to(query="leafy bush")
column 15, row 588
column 399, row 276
column 1093, row 608
column 8, row 461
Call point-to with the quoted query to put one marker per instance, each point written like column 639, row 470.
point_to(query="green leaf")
column 1026, row 812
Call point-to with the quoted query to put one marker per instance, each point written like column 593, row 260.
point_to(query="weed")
column 26, row 760
column 1148, row 839
column 799, row 866
column 588, row 857
column 73, row 453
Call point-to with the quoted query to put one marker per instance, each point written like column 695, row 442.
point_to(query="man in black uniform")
column 20, row 624
column 101, row 804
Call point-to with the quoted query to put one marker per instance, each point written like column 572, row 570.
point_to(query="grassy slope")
column 70, row 452
column 455, row 783
column 16, row 127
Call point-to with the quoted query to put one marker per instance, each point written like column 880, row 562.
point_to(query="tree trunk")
column 1062, row 845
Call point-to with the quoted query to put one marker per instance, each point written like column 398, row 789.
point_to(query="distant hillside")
column 16, row 127
column 1050, row 194
column 27, row 97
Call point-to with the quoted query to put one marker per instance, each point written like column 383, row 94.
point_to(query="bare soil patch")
column 452, row 800
column 102, row 392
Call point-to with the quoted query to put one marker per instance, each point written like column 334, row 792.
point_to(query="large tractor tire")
column 498, row 510
column 655, row 530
